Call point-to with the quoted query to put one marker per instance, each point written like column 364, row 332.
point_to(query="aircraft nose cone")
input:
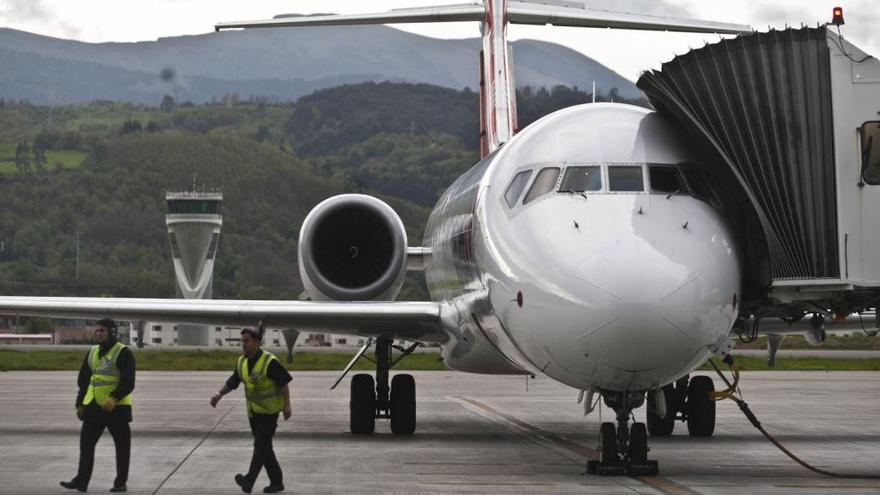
column 635, row 272
column 658, row 309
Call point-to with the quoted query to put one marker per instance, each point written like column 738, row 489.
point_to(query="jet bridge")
column 790, row 124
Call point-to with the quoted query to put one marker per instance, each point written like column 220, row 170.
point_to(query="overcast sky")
column 627, row 52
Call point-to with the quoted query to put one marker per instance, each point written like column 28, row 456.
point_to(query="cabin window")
column 515, row 189
column 665, row 180
column 870, row 144
column 625, row 179
column 544, row 183
column 580, row 179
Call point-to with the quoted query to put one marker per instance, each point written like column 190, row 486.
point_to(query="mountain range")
column 278, row 64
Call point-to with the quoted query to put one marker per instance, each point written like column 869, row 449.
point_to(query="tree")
column 614, row 94
column 40, row 324
column 23, row 157
column 130, row 126
column 262, row 133
column 39, row 158
column 167, row 104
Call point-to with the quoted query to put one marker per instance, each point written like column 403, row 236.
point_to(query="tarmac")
column 475, row 434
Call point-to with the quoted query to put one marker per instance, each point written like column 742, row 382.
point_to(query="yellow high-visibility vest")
column 105, row 376
column 262, row 394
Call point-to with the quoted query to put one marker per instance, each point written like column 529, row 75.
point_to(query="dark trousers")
column 88, row 438
column 263, row 428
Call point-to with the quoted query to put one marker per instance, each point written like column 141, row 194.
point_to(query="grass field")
column 832, row 342
column 217, row 360
column 67, row 158
column 214, row 360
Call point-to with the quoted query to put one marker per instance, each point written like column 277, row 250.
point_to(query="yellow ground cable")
column 731, row 387
column 744, row 407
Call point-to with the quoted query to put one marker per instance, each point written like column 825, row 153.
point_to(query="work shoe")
column 246, row 486
column 119, row 488
column 73, row 485
column 273, row 488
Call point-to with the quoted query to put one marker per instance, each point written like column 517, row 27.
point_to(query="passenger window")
column 625, row 179
column 515, row 189
column 665, row 180
column 579, row 179
column 870, row 137
column 544, row 183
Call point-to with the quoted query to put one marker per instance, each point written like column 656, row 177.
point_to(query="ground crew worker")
column 267, row 393
column 106, row 380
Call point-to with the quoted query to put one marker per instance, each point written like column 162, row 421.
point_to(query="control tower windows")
column 191, row 206
column 625, row 179
column 544, row 183
column 515, row 189
column 580, row 179
column 870, row 152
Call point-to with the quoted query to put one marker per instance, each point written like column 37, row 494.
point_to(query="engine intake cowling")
column 352, row 247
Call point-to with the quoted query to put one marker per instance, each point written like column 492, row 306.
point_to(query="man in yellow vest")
column 106, row 380
column 267, row 393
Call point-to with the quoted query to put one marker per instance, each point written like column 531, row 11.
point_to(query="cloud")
column 862, row 18
column 35, row 15
column 652, row 7
column 24, row 10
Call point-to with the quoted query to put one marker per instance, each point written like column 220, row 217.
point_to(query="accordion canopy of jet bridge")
column 763, row 104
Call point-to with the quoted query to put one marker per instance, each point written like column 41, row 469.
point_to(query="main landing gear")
column 623, row 449
column 687, row 400
column 376, row 399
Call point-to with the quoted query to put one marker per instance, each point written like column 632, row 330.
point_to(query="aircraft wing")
column 528, row 13
column 447, row 13
column 568, row 14
column 415, row 321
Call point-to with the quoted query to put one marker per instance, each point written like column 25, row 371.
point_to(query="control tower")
column 193, row 223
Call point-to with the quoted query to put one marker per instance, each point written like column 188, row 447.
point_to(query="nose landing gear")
column 623, row 449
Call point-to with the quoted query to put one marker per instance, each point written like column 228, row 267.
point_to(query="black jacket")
column 93, row 411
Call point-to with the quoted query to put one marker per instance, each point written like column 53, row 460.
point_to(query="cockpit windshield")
column 544, row 183
column 515, row 189
column 580, row 179
column 665, row 179
column 625, row 179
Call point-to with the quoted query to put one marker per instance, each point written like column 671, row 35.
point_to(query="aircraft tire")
column 700, row 407
column 657, row 426
column 362, row 406
column 638, row 442
column 403, row 404
column 607, row 444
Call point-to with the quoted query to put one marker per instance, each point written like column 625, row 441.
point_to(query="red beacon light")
column 837, row 19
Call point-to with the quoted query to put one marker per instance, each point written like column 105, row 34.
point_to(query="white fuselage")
column 620, row 290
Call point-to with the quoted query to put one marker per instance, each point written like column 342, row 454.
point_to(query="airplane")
column 577, row 248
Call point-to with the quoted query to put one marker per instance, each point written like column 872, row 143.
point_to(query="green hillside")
column 108, row 166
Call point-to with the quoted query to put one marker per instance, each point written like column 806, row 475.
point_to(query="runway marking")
column 661, row 484
column 236, row 403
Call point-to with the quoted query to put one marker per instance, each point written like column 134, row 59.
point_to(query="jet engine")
column 352, row 247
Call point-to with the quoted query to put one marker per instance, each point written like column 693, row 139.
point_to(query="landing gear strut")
column 623, row 449
column 371, row 400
